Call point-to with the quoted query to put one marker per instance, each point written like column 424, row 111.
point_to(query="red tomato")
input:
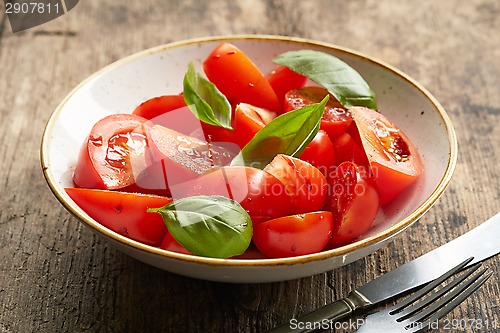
column 283, row 79
column 169, row 111
column 294, row 235
column 213, row 133
column 353, row 201
column 113, row 154
column 124, row 213
column 179, row 158
column 171, row 244
column 238, row 78
column 348, row 149
column 261, row 194
column 248, row 120
column 394, row 160
column 304, row 183
column 320, row 153
column 336, row 119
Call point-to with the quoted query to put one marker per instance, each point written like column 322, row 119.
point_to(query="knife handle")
column 326, row 314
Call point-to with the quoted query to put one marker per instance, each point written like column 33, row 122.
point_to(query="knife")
column 480, row 243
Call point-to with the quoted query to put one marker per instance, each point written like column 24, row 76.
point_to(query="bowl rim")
column 73, row 208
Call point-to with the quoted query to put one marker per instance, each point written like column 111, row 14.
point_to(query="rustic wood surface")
column 57, row 276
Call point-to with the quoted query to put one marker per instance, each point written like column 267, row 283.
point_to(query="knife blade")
column 480, row 243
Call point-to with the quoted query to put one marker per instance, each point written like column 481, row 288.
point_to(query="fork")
column 422, row 310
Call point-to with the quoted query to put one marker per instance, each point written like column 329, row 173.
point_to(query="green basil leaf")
column 209, row 226
column 341, row 80
column 206, row 101
column 288, row 134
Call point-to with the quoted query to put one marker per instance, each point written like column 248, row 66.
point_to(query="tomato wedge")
column 304, row 183
column 336, row 119
column 238, row 78
column 124, row 213
column 294, row 235
column 394, row 160
column 353, row 201
column 171, row 244
column 113, row 154
column 178, row 158
column 283, row 79
column 248, row 120
column 261, row 194
column 169, row 111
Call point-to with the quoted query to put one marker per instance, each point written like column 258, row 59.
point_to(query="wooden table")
column 57, row 276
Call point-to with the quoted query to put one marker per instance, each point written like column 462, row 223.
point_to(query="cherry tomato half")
column 124, row 213
column 394, row 160
column 304, row 183
column 113, row 154
column 336, row 119
column 294, row 235
column 353, row 201
column 238, row 78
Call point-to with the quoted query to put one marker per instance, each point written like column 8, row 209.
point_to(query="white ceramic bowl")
column 121, row 86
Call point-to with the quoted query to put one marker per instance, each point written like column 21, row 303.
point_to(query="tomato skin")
column 238, row 78
column 261, row 194
column 353, row 201
column 304, row 183
column 394, row 160
column 169, row 243
column 105, row 158
column 248, row 120
column 124, row 213
column 156, row 106
column 282, row 80
column 349, row 149
column 336, row 119
column 320, row 152
column 294, row 235
column 169, row 111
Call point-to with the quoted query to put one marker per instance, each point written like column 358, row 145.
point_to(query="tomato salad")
column 288, row 163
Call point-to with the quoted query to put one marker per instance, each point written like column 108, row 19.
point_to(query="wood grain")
column 57, row 276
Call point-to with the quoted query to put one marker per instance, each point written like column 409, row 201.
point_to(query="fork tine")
column 435, row 294
column 460, row 296
column 417, row 295
column 448, row 302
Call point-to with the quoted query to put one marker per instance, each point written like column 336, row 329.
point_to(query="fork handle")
column 329, row 313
